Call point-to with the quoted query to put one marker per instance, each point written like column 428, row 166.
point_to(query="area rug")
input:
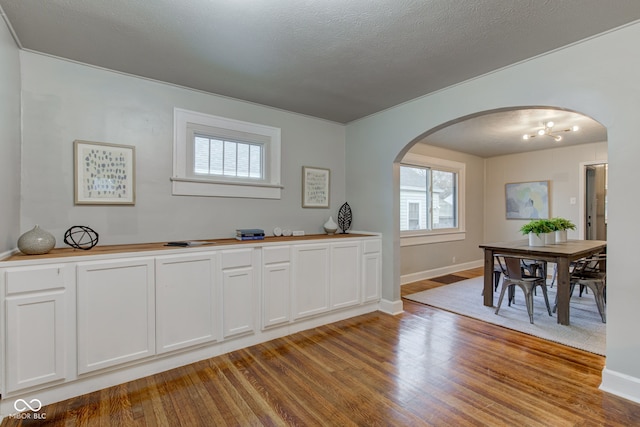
column 586, row 332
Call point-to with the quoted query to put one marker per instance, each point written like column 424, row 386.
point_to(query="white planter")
column 550, row 238
column 561, row 236
column 536, row 240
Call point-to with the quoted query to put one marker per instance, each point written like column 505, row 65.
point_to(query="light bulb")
column 550, row 124
column 575, row 128
column 525, row 137
column 541, row 132
column 558, row 138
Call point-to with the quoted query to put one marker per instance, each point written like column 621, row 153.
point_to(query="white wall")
column 64, row 101
column 561, row 166
column 9, row 140
column 599, row 78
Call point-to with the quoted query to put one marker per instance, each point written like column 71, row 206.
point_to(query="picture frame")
column 104, row 174
column 527, row 200
column 315, row 187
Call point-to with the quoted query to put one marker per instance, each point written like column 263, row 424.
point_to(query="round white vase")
column 36, row 242
column 330, row 227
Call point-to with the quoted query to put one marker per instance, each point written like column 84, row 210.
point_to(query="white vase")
column 36, row 242
column 561, row 236
column 550, row 238
column 330, row 227
column 536, row 240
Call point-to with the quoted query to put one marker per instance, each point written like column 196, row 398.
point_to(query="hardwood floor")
column 425, row 367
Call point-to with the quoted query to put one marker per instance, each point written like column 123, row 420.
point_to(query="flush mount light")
column 547, row 130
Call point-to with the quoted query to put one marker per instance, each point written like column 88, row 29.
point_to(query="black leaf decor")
column 345, row 217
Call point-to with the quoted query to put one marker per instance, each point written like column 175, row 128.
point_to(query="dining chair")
column 591, row 273
column 514, row 277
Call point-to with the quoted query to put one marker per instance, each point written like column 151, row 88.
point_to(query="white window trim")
column 423, row 237
column 185, row 184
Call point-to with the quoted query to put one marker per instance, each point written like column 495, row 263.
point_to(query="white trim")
column 391, row 307
column 582, row 188
column 185, row 184
column 429, row 274
column 422, row 237
column 620, row 384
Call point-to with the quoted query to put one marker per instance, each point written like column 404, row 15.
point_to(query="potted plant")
column 536, row 230
column 562, row 225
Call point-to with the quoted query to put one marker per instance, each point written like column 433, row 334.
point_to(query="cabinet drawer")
column 237, row 258
column 372, row 246
column 276, row 255
column 31, row 279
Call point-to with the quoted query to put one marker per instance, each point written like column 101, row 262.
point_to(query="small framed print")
column 315, row 187
column 104, row 174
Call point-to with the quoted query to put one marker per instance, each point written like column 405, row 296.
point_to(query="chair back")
column 514, row 270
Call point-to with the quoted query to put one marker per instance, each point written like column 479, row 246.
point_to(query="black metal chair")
column 591, row 273
column 514, row 277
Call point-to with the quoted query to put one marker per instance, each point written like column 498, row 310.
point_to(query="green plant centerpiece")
column 562, row 225
column 538, row 230
column 538, row 227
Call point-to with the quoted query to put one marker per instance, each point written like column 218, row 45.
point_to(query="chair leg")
column 598, row 293
column 546, row 299
column 504, row 288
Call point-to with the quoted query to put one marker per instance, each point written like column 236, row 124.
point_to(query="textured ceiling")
column 338, row 60
column 334, row 59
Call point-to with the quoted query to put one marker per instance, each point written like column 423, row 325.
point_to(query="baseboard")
column 429, row 274
column 622, row 385
column 391, row 307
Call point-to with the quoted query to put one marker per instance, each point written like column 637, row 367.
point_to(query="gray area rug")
column 586, row 332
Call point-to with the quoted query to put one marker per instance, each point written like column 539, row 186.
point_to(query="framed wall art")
column 527, row 200
column 104, row 174
column 315, row 187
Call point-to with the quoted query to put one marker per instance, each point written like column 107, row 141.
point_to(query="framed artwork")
column 104, row 174
column 527, row 200
column 315, row 187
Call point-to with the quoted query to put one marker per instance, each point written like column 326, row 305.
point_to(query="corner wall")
column 9, row 140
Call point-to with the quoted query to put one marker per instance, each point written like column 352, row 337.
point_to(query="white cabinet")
column 276, row 286
column 371, row 270
column 35, row 329
column 311, row 278
column 116, row 312
column 239, row 291
column 186, row 301
column 345, row 274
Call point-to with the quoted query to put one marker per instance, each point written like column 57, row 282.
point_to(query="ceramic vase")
column 330, row 227
column 36, row 242
column 536, row 240
column 561, row 236
column 550, row 238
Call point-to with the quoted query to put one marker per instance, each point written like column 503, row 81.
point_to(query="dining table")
column 562, row 254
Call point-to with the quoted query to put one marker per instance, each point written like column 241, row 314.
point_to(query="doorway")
column 595, row 219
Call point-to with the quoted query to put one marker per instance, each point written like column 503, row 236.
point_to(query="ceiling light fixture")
column 548, row 131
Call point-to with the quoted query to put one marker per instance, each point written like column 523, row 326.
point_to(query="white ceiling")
column 334, row 59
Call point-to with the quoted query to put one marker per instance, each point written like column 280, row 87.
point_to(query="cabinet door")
column 186, row 301
column 276, row 286
column 35, row 340
column 371, row 270
column 239, row 292
column 37, row 325
column 311, row 278
column 116, row 312
column 345, row 274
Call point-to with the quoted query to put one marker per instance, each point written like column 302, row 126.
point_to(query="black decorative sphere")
column 81, row 237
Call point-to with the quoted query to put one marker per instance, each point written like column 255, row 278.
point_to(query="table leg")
column 563, row 291
column 488, row 278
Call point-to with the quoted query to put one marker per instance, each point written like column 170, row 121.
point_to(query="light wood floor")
column 421, row 368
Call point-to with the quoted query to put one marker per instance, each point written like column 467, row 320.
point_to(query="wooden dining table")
column 561, row 254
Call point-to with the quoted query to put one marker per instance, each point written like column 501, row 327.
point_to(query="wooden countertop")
column 160, row 246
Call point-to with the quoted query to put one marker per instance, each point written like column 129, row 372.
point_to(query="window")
column 216, row 156
column 431, row 200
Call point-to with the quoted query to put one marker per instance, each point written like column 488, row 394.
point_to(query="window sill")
column 200, row 187
column 430, row 238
